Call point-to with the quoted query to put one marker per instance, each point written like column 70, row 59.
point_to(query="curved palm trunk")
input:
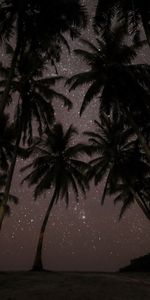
column 38, row 265
column 9, row 178
column 139, row 135
column 4, row 99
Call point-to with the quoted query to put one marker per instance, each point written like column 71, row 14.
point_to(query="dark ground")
column 74, row 285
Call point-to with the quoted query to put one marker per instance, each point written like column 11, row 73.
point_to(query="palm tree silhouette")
column 35, row 104
column 131, row 12
column 114, row 80
column 36, row 95
column 119, row 161
column 38, row 26
column 111, row 57
column 56, row 166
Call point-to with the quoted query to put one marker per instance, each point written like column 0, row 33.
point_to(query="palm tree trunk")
column 139, row 135
column 38, row 266
column 9, row 177
column 4, row 99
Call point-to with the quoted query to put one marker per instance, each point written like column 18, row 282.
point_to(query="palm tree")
column 111, row 76
column 110, row 58
column 56, row 166
column 36, row 94
column 35, row 104
column 131, row 12
column 119, row 161
column 37, row 26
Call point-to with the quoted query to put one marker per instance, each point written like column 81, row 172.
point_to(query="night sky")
column 86, row 236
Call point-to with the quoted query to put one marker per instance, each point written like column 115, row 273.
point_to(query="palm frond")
column 127, row 202
column 80, row 79
column 93, row 90
column 87, row 57
column 48, row 81
column 67, row 102
column 64, row 42
column 90, row 45
column 70, row 134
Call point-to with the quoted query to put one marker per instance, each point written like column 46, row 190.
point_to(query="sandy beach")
column 74, row 285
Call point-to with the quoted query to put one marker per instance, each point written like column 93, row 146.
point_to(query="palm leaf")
column 94, row 89
column 87, row 57
column 80, row 79
column 90, row 45
column 127, row 202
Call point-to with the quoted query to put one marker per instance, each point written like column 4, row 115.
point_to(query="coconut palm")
column 34, row 106
column 131, row 12
column 36, row 94
column 119, row 162
column 37, row 26
column 56, row 166
column 114, row 80
column 110, row 58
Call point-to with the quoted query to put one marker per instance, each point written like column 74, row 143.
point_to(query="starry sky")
column 85, row 236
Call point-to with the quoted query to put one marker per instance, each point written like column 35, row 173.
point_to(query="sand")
column 74, row 285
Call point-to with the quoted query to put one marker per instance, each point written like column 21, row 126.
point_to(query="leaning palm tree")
column 119, row 162
column 131, row 12
column 114, row 79
column 34, row 107
column 56, row 166
column 37, row 26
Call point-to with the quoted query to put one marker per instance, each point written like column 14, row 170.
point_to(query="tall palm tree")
column 34, row 107
column 114, row 79
column 131, row 12
column 56, row 166
column 37, row 26
column 119, row 161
